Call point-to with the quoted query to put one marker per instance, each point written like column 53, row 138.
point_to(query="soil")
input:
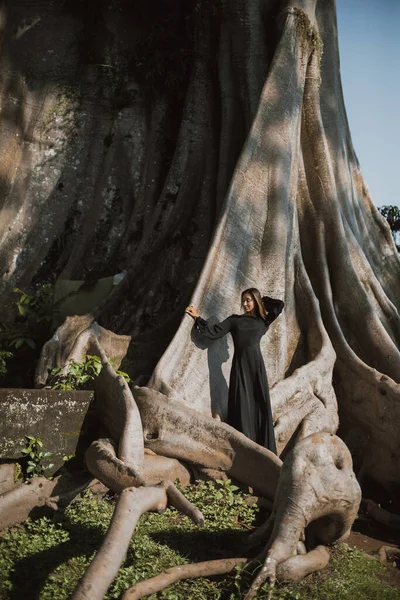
column 369, row 536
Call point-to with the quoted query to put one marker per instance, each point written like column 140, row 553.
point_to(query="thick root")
column 102, row 462
column 318, row 493
column 170, row 576
column 389, row 554
column 17, row 505
column 132, row 503
column 297, row 567
column 203, row 441
column 73, row 339
column 267, row 572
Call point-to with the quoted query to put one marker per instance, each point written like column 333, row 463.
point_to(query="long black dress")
column 249, row 406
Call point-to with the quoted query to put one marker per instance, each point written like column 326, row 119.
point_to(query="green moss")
column 307, row 32
column 18, row 474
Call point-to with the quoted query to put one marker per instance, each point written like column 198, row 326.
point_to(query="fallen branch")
column 132, row 503
column 170, row 576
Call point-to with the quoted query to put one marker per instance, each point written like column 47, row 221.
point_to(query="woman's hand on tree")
column 192, row 311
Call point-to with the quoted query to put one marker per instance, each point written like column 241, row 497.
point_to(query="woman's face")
column 248, row 303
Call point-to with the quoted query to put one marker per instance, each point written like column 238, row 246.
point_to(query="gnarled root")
column 317, row 486
column 102, row 462
column 170, row 576
column 389, row 554
column 17, row 504
column 132, row 503
column 203, row 441
column 297, row 567
column 72, row 340
column 381, row 515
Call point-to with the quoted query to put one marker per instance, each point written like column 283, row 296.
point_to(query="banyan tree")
column 202, row 147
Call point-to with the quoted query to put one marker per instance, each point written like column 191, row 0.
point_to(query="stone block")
column 54, row 416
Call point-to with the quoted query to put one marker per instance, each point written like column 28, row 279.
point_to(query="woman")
column 249, row 407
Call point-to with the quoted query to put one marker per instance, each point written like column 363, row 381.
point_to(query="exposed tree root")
column 72, row 340
column 317, row 493
column 17, row 504
column 206, row 442
column 102, row 463
column 297, row 567
column 381, row 515
column 132, row 503
column 115, row 404
column 170, row 576
column 295, row 222
column 389, row 554
column 293, row 569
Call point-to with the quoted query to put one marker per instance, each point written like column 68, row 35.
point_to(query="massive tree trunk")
column 204, row 148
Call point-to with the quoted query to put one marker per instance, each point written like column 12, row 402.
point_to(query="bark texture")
column 203, row 168
column 233, row 159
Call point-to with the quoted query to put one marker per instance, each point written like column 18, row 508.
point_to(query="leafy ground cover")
column 44, row 558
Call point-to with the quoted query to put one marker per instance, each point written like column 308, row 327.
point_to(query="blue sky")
column 369, row 46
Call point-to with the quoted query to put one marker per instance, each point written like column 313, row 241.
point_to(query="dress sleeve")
column 273, row 307
column 215, row 331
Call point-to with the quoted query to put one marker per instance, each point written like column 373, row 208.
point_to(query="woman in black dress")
column 249, row 407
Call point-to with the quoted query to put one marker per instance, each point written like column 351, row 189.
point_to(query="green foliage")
column 232, row 507
column 79, row 375
column 39, row 305
column 44, row 560
column 392, row 215
column 37, row 460
column 4, row 357
column 119, row 372
column 353, row 575
column 31, row 326
column 18, row 475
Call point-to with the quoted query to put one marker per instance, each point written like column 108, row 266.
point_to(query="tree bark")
column 229, row 166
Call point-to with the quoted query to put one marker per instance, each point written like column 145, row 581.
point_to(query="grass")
column 44, row 559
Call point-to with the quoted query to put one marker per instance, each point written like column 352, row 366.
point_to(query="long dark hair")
column 258, row 303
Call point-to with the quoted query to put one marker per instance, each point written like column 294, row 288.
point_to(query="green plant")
column 119, row 372
column 45, row 560
column 4, row 357
column 233, row 509
column 18, row 475
column 34, row 309
column 124, row 375
column 68, row 457
column 76, row 375
column 37, row 463
column 38, row 305
column 392, row 215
